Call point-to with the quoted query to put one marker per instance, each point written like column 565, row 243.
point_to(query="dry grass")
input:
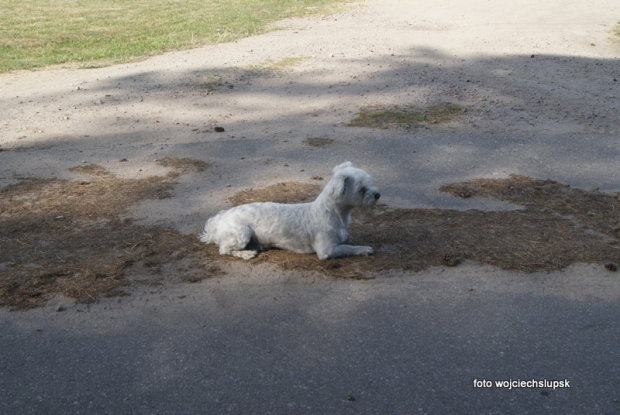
column 63, row 236
column 183, row 165
column 588, row 211
column 558, row 226
column 318, row 142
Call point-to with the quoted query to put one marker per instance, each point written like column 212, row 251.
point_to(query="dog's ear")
column 338, row 186
column 346, row 183
column 342, row 166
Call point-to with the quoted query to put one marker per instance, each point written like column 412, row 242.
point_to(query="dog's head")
column 352, row 187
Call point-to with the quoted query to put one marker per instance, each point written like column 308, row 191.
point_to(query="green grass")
column 406, row 117
column 38, row 33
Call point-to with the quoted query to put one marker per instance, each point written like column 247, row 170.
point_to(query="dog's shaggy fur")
column 319, row 226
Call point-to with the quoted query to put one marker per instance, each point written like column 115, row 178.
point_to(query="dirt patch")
column 66, row 236
column 405, row 116
column 319, row 142
column 590, row 211
column 558, row 226
column 183, row 165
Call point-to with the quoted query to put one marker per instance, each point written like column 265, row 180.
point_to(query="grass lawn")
column 37, row 33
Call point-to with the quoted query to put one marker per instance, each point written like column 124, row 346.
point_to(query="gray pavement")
column 309, row 345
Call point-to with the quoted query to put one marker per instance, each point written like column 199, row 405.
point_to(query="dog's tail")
column 208, row 236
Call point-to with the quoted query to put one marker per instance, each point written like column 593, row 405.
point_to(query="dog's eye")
column 363, row 190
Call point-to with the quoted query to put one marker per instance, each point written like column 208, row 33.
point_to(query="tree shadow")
column 528, row 115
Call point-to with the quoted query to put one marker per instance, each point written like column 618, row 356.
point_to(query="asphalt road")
column 434, row 344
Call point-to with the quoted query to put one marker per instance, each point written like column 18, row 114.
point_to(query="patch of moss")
column 404, row 117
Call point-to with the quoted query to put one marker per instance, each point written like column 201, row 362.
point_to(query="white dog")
column 319, row 226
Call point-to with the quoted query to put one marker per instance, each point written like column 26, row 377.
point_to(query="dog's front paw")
column 345, row 250
column 365, row 251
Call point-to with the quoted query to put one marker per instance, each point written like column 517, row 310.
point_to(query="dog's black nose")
column 377, row 196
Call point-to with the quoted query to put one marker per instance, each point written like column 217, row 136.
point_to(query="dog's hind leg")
column 245, row 254
column 235, row 242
